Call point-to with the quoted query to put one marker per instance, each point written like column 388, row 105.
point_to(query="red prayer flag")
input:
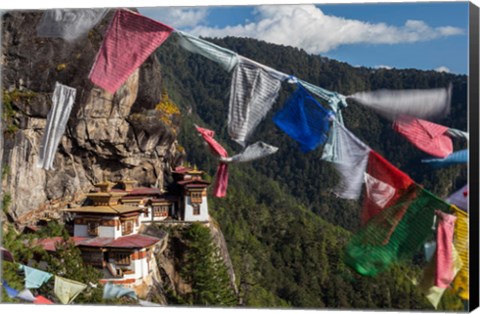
column 128, row 42
column 380, row 169
column 42, row 300
column 221, row 181
column 426, row 136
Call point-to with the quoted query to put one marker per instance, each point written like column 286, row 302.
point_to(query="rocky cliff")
column 108, row 137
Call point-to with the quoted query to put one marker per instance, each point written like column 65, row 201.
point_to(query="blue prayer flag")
column 459, row 157
column 12, row 293
column 304, row 119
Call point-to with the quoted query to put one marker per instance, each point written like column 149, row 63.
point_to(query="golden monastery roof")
column 106, row 209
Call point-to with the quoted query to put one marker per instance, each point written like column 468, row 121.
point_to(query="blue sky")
column 427, row 36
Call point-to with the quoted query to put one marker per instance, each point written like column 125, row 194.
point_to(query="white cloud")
column 443, row 69
column 307, row 27
column 178, row 17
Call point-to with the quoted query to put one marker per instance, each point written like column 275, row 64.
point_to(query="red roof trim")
column 132, row 241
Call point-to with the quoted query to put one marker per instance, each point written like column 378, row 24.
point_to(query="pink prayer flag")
column 444, row 272
column 128, row 42
column 221, row 181
column 426, row 136
column 221, row 178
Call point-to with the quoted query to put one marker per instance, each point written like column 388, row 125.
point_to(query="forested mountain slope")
column 285, row 229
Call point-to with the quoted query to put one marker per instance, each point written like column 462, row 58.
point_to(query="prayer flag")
column 304, row 119
column 391, row 183
column 426, row 136
column 113, row 291
column 377, row 245
column 128, row 42
column 62, row 103
column 69, row 24
column 67, row 290
column 460, row 241
column 26, row 295
column 459, row 198
column 34, row 278
column 459, row 157
column 350, row 161
column 427, row 285
column 42, row 300
column 221, row 177
column 335, row 100
column 252, row 152
column 227, row 59
column 419, row 103
column 444, row 269
column 254, row 89
column 12, row 293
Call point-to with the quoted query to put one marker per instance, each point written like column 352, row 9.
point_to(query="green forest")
column 285, row 230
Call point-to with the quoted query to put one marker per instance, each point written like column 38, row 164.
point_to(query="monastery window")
column 196, row 209
column 196, row 197
column 92, row 228
column 160, row 211
column 121, row 258
column 127, row 227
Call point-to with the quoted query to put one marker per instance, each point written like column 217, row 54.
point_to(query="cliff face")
column 108, row 137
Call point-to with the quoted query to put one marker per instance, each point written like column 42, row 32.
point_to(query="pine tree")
column 204, row 269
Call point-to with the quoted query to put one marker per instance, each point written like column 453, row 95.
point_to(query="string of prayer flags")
column 460, row 241
column 6, row 255
column 459, row 157
column 426, row 136
column 335, row 100
column 26, row 295
column 69, row 24
column 459, row 198
column 34, row 278
column 385, row 184
column 227, row 59
column 128, row 42
column 419, row 103
column 444, row 267
column 42, row 300
column 254, row 89
column 350, row 161
column 67, row 290
column 113, row 291
column 375, row 246
column 304, row 119
column 254, row 151
column 62, row 103
column 12, row 293
column 221, row 181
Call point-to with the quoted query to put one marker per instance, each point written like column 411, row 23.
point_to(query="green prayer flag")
column 397, row 232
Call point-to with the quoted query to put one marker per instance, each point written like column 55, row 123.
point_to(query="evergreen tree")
column 204, row 269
